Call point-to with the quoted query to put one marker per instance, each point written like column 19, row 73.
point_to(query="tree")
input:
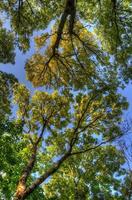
column 83, row 60
column 13, row 144
column 62, row 127
column 13, row 156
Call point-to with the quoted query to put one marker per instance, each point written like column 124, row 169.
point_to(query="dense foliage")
column 59, row 144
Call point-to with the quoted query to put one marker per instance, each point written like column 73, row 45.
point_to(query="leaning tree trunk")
column 20, row 192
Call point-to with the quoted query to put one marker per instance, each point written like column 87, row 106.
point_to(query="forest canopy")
column 59, row 140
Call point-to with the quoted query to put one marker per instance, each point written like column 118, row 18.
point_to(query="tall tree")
column 62, row 126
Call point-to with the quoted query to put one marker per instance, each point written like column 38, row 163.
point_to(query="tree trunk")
column 21, row 187
column 20, row 192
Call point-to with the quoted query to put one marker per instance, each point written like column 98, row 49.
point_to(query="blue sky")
column 18, row 70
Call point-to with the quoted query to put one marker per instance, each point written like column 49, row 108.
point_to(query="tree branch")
column 94, row 147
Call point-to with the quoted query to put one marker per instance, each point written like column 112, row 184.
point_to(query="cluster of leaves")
column 88, row 177
column 14, row 153
column 7, row 46
column 7, row 82
column 28, row 16
column 73, row 64
column 9, row 157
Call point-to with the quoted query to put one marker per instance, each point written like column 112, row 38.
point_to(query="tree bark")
column 21, row 188
column 70, row 9
column 23, row 192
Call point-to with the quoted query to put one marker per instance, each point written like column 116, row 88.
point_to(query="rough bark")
column 21, row 188
column 23, row 192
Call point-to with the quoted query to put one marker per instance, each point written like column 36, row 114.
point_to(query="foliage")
column 13, row 156
column 61, row 127
column 6, row 88
column 88, row 177
column 83, row 57
column 9, row 159
column 109, row 20
column 7, row 46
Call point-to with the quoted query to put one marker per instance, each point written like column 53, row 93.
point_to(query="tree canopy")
column 60, row 144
